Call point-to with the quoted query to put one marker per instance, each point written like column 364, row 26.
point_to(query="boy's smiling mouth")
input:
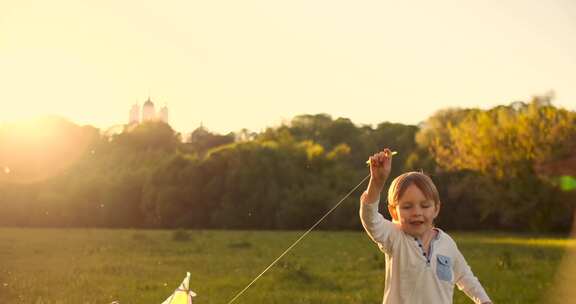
column 416, row 223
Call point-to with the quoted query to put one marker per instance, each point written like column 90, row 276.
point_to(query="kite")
column 182, row 294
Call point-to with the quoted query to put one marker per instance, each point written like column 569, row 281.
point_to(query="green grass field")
column 136, row 266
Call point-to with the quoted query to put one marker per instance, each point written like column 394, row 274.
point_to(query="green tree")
column 201, row 140
column 153, row 135
column 504, row 145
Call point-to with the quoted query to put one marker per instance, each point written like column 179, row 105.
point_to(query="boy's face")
column 414, row 212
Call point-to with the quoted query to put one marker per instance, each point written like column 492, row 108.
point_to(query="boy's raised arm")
column 378, row 228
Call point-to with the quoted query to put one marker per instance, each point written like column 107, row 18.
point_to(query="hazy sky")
column 249, row 64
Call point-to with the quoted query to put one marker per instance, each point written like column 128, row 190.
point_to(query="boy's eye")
column 405, row 207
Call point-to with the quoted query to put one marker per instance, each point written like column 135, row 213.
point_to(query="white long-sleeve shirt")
column 411, row 276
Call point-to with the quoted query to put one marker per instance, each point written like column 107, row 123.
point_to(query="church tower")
column 134, row 116
column 163, row 114
column 148, row 111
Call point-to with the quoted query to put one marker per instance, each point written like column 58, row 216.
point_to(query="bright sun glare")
column 36, row 149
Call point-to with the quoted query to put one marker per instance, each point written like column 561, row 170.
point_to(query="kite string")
column 300, row 238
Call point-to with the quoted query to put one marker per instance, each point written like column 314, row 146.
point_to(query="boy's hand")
column 380, row 166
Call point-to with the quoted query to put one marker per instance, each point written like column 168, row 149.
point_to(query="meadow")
column 145, row 266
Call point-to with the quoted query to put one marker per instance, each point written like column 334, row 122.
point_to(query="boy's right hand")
column 380, row 166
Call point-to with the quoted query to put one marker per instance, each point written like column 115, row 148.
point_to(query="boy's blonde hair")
column 420, row 180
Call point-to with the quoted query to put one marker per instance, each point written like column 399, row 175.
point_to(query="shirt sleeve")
column 382, row 231
column 467, row 281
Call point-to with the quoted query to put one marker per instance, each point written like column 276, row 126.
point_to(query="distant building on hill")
column 148, row 113
column 134, row 117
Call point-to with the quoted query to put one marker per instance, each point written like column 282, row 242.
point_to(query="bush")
column 180, row 235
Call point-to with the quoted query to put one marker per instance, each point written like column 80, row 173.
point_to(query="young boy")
column 422, row 262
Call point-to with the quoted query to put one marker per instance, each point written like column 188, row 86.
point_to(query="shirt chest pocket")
column 444, row 268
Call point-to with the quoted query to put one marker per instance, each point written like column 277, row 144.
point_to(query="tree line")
column 493, row 168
